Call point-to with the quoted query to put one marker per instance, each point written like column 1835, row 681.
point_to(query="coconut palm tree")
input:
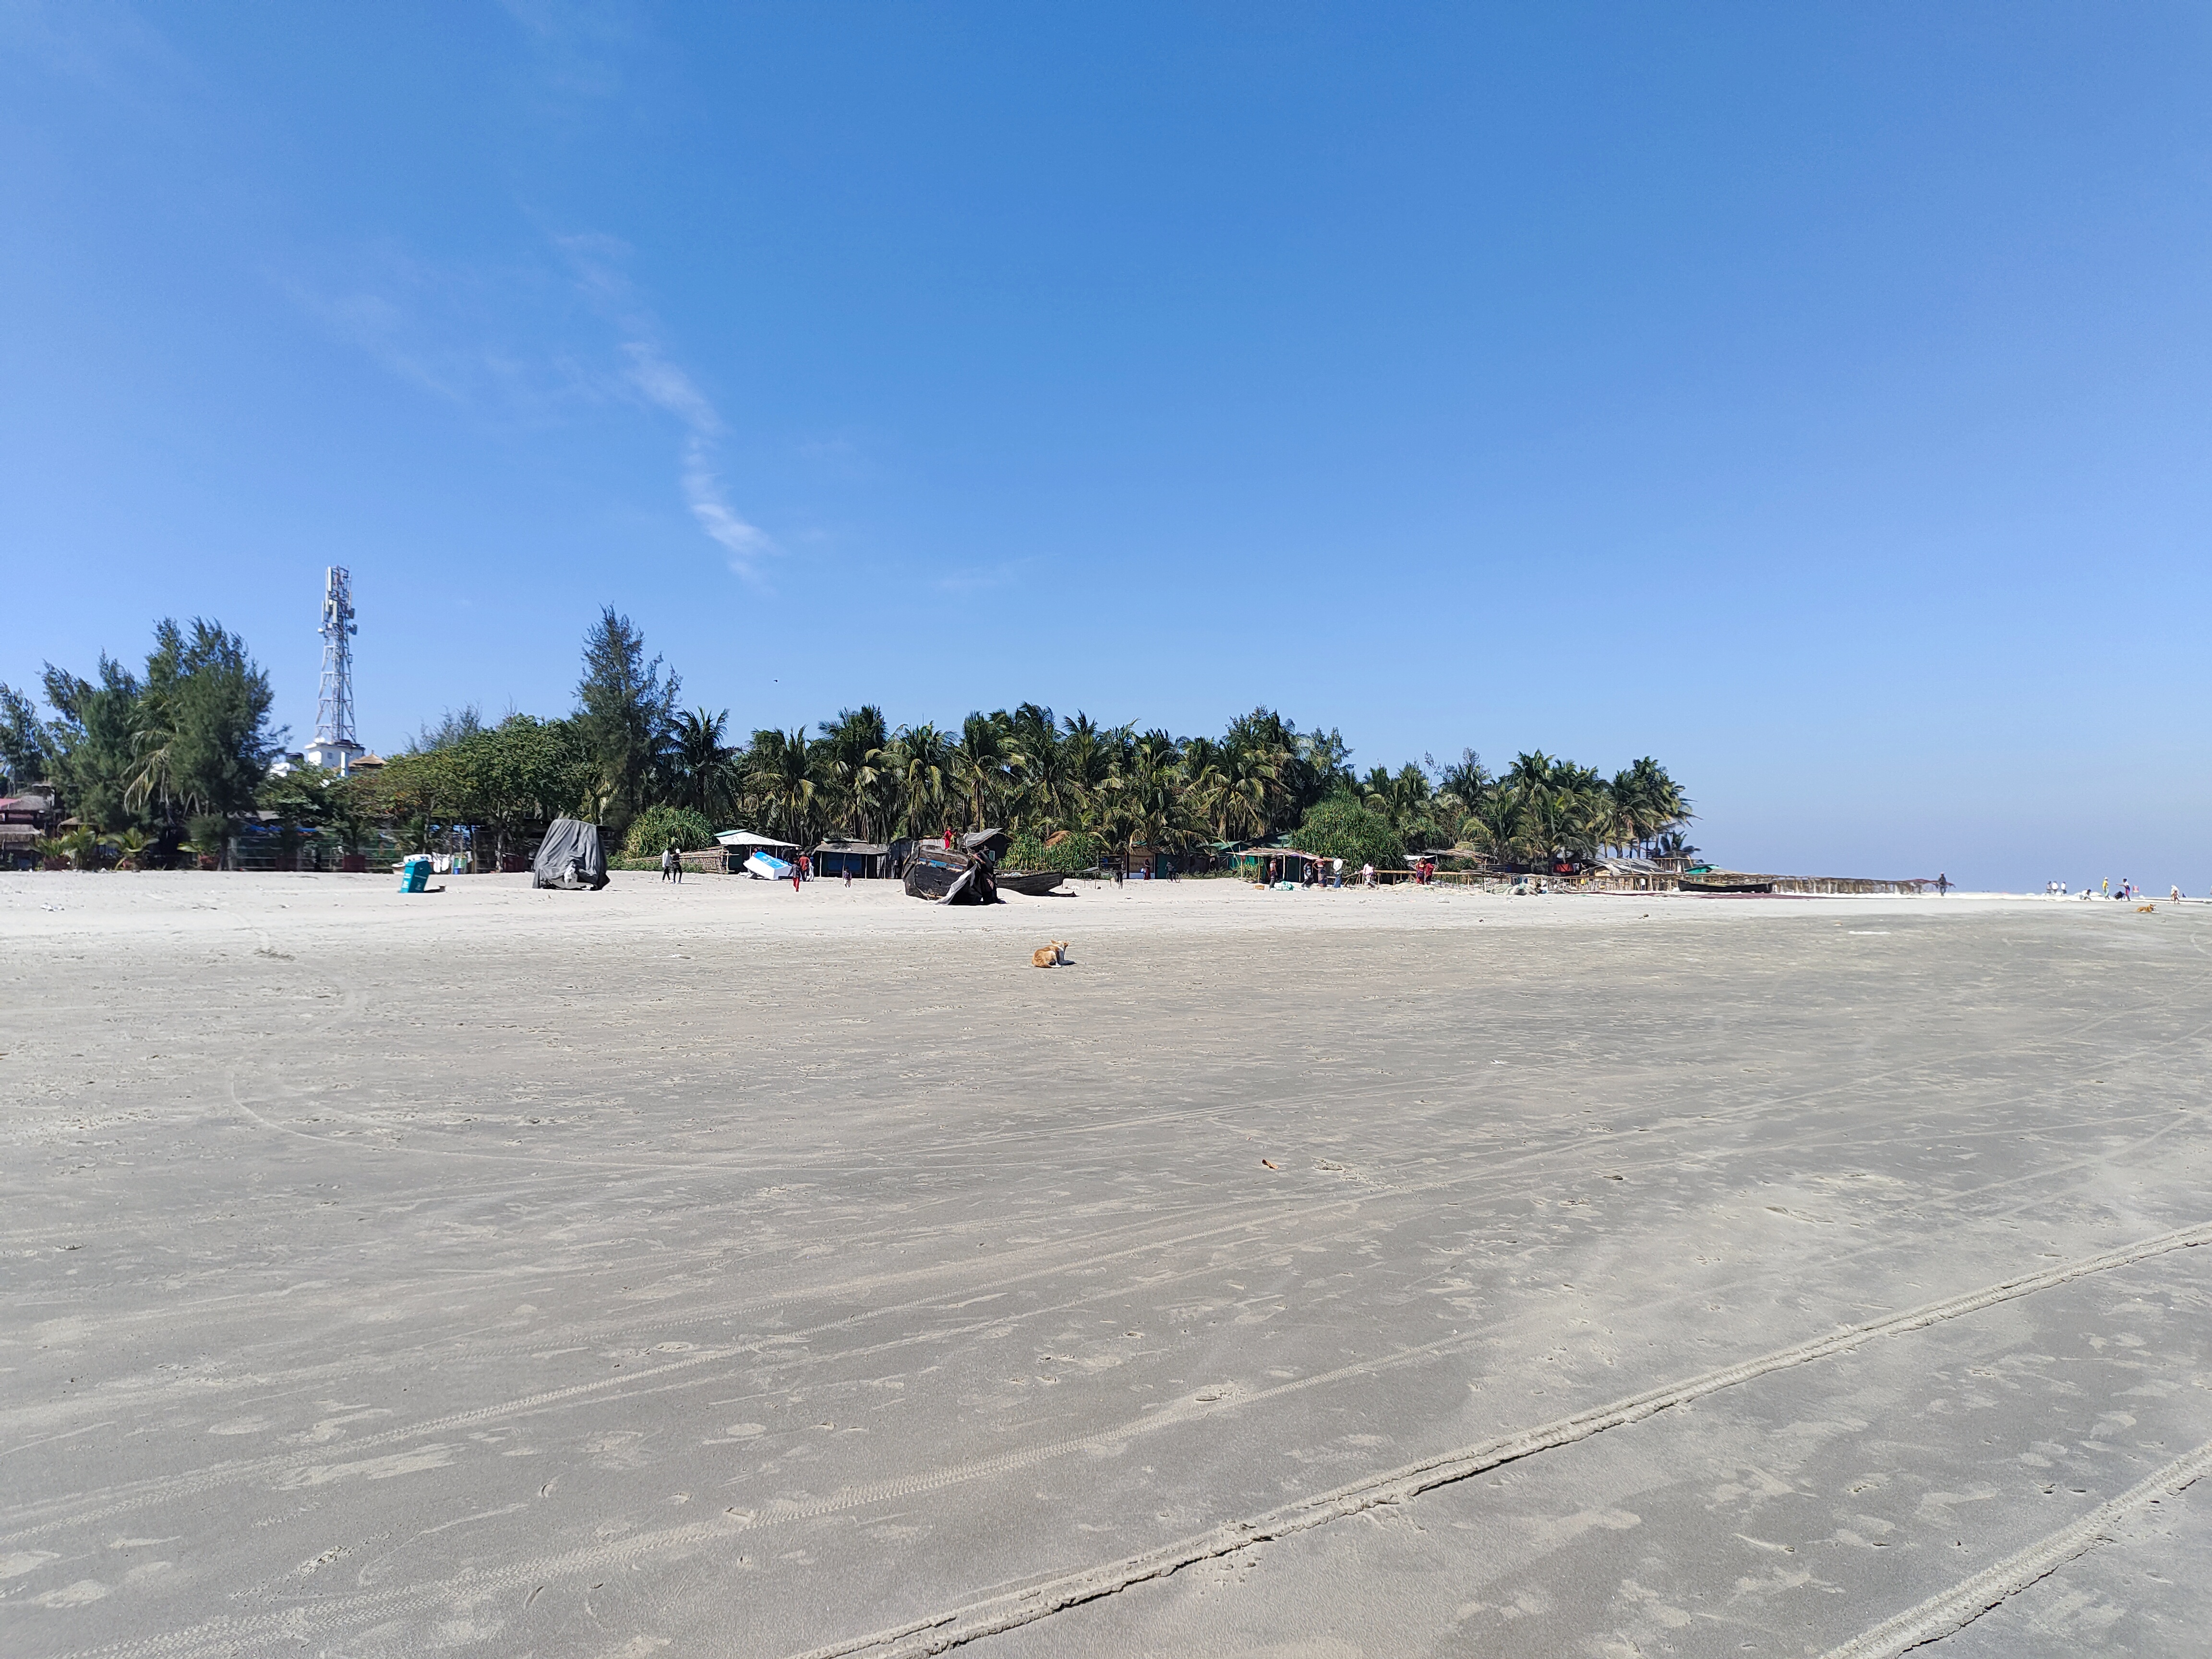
column 701, row 767
column 1050, row 788
column 779, row 777
column 852, row 766
column 1647, row 803
column 919, row 763
column 1463, row 786
column 1085, row 758
column 1497, row 825
column 985, row 764
column 153, row 778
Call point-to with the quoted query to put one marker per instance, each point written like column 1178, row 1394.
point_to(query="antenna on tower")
column 334, row 746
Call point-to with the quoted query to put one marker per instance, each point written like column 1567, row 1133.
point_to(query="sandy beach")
column 719, row 1269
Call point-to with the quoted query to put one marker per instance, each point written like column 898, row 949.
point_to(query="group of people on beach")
column 2128, row 890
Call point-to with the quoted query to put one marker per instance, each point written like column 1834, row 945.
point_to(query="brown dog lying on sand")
column 1052, row 956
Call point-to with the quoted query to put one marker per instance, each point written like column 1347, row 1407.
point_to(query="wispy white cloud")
column 667, row 387
column 506, row 340
column 473, row 335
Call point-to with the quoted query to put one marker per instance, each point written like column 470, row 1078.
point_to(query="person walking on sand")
column 668, row 864
column 1942, row 884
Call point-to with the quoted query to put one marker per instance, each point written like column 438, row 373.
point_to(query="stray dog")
column 2145, row 910
column 1053, row 956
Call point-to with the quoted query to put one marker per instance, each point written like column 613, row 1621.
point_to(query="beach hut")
column 863, row 860
column 1270, row 865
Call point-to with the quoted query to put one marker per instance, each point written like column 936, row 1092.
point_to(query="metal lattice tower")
column 334, row 706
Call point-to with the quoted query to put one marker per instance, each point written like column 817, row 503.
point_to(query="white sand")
column 724, row 1270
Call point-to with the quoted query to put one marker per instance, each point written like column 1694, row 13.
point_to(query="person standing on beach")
column 668, row 864
column 1942, row 884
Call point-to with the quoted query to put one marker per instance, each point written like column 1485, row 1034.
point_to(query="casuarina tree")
column 626, row 706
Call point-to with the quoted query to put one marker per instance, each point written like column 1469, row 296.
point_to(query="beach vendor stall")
column 1284, row 868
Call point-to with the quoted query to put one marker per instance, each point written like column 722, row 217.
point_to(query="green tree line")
column 187, row 743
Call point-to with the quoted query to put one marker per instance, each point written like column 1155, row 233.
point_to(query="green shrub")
column 1076, row 853
column 654, row 829
column 1340, row 828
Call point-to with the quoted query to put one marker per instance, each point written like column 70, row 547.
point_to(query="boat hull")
column 945, row 875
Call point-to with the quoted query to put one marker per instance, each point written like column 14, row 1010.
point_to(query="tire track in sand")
column 994, row 1614
column 967, row 1621
column 1954, row 1609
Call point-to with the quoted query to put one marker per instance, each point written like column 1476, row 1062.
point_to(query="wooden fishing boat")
column 1035, row 884
column 966, row 874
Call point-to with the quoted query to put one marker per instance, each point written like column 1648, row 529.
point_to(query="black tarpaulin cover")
column 570, row 857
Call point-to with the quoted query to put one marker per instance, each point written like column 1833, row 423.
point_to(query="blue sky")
column 1815, row 398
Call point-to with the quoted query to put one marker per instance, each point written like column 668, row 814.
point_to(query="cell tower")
column 334, row 746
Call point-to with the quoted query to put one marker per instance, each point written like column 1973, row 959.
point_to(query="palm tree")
column 780, row 776
column 984, row 765
column 1227, row 787
column 1050, row 793
column 1464, row 786
column 1263, row 753
column 1146, row 801
column 81, row 846
column 701, row 764
column 1647, row 803
column 919, row 763
column 1401, row 796
column 852, row 763
column 153, row 774
column 1498, row 824
column 1085, row 758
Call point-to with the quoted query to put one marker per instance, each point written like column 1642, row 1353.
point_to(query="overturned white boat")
column 761, row 862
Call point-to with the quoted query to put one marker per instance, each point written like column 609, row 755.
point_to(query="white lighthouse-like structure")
column 335, row 748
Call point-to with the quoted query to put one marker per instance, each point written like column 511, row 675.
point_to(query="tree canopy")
column 189, row 738
column 186, row 742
